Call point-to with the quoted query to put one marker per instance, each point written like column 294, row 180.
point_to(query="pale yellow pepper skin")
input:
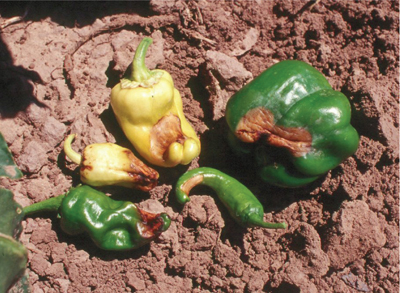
column 103, row 164
column 149, row 110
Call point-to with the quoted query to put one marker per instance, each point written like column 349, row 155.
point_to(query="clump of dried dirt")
column 58, row 66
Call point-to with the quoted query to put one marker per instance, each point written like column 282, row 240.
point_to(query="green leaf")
column 7, row 164
column 13, row 255
column 13, row 259
column 11, row 214
column 22, row 285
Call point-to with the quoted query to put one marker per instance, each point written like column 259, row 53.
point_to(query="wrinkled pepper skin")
column 292, row 123
column 103, row 164
column 112, row 225
column 149, row 110
column 241, row 203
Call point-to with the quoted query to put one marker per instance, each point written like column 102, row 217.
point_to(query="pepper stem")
column 140, row 75
column 255, row 220
column 48, row 205
column 139, row 70
column 69, row 152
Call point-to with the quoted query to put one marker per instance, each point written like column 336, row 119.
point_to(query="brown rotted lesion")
column 259, row 123
column 191, row 182
column 151, row 224
column 145, row 178
column 165, row 132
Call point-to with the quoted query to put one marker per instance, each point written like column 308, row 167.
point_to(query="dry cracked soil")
column 58, row 65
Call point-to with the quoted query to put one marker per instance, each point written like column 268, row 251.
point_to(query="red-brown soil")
column 58, row 66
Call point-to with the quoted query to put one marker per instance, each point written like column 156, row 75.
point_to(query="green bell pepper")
column 112, row 225
column 292, row 123
column 241, row 203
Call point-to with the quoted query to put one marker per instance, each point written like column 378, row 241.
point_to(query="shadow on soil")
column 16, row 88
column 17, row 82
column 72, row 13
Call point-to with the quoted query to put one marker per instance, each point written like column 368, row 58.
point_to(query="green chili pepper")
column 291, row 107
column 241, row 203
column 112, row 225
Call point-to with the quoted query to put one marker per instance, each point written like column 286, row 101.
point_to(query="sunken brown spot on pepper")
column 165, row 132
column 86, row 167
column 259, row 122
column 152, row 224
column 191, row 182
column 145, row 177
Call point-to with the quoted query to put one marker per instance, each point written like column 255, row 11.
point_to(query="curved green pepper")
column 241, row 203
column 112, row 225
column 293, row 123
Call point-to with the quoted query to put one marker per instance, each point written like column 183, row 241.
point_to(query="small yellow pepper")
column 149, row 110
column 103, row 164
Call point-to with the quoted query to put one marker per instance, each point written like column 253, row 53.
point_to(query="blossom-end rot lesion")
column 258, row 123
column 152, row 225
column 169, row 144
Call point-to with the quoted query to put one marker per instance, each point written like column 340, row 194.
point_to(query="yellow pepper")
column 103, row 164
column 149, row 110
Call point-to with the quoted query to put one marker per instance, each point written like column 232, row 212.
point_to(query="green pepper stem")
column 140, row 72
column 48, row 205
column 254, row 220
column 166, row 221
column 140, row 75
column 69, row 152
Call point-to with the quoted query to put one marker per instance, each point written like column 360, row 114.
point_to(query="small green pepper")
column 112, row 225
column 241, row 203
column 293, row 123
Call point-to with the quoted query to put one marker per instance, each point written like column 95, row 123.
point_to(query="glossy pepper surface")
column 103, row 164
column 149, row 110
column 241, row 203
column 112, row 225
column 292, row 123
